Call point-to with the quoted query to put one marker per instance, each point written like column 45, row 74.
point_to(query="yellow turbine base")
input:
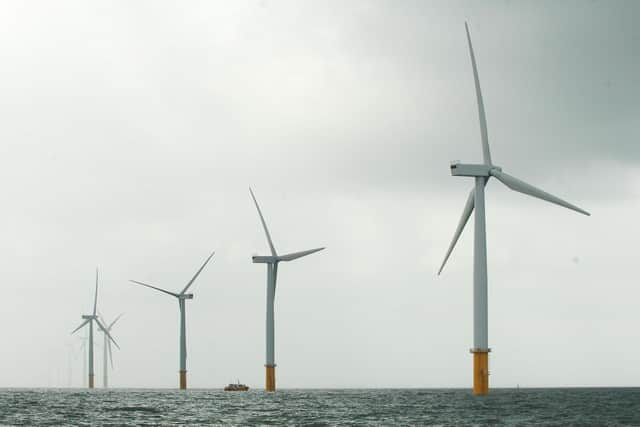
column 183, row 380
column 90, row 380
column 271, row 378
column 480, row 373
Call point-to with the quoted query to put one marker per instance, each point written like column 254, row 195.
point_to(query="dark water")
column 547, row 407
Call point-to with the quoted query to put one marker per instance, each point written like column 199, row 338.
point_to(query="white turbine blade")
column 466, row 213
column 486, row 154
column 157, row 289
column 101, row 317
column 522, row 187
column 296, row 255
column 95, row 300
column 275, row 278
column 264, row 224
column 81, row 325
column 107, row 332
column 114, row 322
column 197, row 274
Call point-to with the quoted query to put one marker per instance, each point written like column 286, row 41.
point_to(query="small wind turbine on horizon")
column 182, row 296
column 272, row 275
column 89, row 319
column 107, row 351
column 481, row 173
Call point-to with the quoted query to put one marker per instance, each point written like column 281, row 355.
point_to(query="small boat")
column 236, row 387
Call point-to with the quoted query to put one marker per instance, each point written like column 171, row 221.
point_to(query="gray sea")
column 453, row 407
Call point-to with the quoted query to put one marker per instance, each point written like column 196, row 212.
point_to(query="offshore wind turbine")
column 481, row 174
column 182, row 297
column 272, row 275
column 89, row 319
column 107, row 351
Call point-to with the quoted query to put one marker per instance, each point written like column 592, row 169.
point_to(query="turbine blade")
column 197, row 274
column 114, row 322
column 296, row 255
column 95, row 299
column 275, row 278
column 486, row 154
column 522, row 187
column 101, row 317
column 107, row 332
column 81, row 325
column 102, row 328
column 466, row 213
column 264, row 224
column 157, row 289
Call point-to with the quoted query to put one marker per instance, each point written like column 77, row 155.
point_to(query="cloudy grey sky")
column 131, row 132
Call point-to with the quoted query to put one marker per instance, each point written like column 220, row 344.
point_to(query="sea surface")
column 447, row 407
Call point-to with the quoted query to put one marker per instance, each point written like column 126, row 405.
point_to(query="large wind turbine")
column 106, row 351
column 89, row 319
column 182, row 296
column 272, row 275
column 481, row 173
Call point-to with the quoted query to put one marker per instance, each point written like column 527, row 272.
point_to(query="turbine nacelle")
column 264, row 259
column 466, row 169
column 186, row 296
column 274, row 259
column 89, row 317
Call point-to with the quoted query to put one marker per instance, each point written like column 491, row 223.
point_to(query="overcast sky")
column 131, row 131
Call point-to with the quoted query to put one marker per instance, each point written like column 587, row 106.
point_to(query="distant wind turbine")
column 272, row 275
column 182, row 296
column 89, row 319
column 481, row 173
column 107, row 351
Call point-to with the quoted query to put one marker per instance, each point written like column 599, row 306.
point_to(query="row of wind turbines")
column 481, row 172
column 272, row 262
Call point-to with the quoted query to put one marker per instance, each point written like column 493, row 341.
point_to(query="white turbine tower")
column 89, row 319
column 107, row 352
column 182, row 296
column 272, row 275
column 481, row 173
